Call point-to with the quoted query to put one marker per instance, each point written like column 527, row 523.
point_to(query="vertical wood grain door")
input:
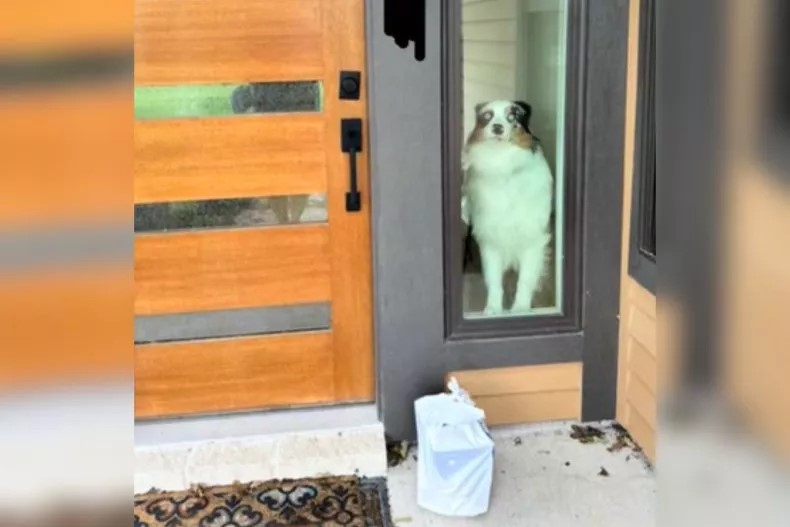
column 253, row 281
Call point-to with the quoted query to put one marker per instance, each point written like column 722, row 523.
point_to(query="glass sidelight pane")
column 216, row 100
column 240, row 212
column 232, row 323
column 513, row 60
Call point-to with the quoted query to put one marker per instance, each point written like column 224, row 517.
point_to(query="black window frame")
column 457, row 327
column 773, row 137
column 642, row 258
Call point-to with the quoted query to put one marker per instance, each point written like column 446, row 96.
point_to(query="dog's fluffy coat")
column 507, row 194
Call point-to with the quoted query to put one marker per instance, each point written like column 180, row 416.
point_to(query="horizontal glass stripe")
column 239, row 212
column 75, row 244
column 28, row 70
column 231, row 323
column 216, row 100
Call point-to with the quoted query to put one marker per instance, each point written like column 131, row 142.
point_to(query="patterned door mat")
column 346, row 501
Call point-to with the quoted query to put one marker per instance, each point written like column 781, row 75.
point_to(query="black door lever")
column 351, row 143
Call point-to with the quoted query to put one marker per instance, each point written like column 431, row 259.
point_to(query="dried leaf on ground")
column 397, row 452
column 586, row 433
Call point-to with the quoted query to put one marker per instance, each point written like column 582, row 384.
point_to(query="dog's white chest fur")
column 509, row 198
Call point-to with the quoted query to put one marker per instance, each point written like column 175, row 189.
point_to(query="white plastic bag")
column 456, row 454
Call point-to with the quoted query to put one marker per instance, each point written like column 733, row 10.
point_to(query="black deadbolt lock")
column 349, row 85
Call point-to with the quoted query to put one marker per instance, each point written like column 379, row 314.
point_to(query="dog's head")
column 503, row 121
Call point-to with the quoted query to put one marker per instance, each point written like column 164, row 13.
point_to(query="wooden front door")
column 240, row 206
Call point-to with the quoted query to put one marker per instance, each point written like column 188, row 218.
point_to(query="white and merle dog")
column 507, row 200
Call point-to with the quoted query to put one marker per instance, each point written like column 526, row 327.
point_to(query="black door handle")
column 351, row 143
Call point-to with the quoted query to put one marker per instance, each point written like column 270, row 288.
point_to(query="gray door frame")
column 406, row 135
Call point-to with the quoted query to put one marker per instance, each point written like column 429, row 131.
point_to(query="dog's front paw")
column 521, row 308
column 492, row 310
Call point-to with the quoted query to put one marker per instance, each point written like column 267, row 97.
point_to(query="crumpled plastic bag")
column 456, row 454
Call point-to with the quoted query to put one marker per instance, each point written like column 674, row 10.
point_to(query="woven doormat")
column 323, row 502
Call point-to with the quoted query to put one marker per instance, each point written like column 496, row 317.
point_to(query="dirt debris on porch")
column 550, row 475
column 398, row 451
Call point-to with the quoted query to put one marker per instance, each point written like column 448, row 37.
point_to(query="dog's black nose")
column 498, row 129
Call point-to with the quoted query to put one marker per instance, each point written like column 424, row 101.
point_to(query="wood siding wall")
column 490, row 44
column 525, row 394
column 637, row 362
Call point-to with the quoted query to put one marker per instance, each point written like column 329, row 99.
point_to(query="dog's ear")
column 527, row 110
column 525, row 114
column 479, row 106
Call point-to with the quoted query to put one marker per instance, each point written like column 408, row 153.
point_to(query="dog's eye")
column 486, row 116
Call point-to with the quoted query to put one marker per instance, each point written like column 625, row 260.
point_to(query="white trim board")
column 168, row 431
column 219, row 450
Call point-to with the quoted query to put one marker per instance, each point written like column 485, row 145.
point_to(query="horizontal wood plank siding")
column 525, row 394
column 490, row 39
column 638, row 346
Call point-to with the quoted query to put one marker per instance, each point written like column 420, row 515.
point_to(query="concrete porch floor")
column 544, row 478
